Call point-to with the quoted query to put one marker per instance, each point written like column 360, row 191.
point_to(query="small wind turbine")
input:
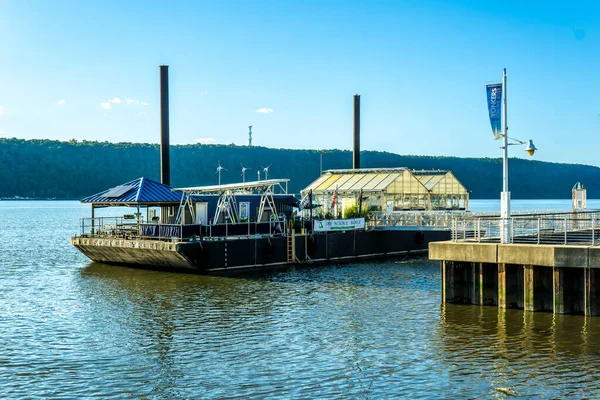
column 266, row 170
column 219, row 169
column 244, row 169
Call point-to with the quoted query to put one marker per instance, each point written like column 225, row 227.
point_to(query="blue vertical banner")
column 494, row 99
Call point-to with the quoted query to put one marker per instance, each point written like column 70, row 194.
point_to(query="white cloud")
column 61, row 102
column 265, row 110
column 206, row 140
column 107, row 105
column 137, row 102
column 140, row 113
column 203, row 93
column 1, row 111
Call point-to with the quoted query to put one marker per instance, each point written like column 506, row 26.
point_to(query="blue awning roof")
column 139, row 191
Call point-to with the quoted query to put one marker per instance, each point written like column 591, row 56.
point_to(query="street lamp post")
column 505, row 225
column 505, row 195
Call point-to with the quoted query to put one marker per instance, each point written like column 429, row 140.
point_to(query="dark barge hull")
column 256, row 252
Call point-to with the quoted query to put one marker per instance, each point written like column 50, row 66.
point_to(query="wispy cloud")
column 140, row 113
column 107, row 105
column 136, row 102
column 203, row 93
column 61, row 102
column 1, row 111
column 206, row 140
column 265, row 110
column 3, row 132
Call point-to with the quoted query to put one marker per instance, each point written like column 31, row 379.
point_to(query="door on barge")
column 202, row 213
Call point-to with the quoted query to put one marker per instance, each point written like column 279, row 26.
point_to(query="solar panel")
column 118, row 191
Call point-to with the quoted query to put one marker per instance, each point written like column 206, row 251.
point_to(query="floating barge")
column 239, row 226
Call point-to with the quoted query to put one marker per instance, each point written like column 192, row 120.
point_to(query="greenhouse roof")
column 379, row 179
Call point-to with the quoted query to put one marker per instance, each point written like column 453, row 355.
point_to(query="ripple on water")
column 74, row 329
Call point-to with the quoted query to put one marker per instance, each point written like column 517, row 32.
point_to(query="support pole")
column 558, row 291
column 165, row 163
column 356, row 144
column 310, row 202
column 320, row 162
column 505, row 195
column 528, row 288
column 501, row 285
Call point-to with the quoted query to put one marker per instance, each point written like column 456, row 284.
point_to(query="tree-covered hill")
column 49, row 168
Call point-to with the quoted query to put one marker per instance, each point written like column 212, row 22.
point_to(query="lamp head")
column 530, row 149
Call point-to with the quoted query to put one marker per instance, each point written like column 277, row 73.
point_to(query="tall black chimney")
column 165, row 163
column 356, row 150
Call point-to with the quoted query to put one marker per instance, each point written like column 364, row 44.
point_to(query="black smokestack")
column 356, row 150
column 165, row 163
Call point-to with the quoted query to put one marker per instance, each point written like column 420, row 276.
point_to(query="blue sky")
column 89, row 70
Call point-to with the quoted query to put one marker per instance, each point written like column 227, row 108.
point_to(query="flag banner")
column 494, row 99
column 334, row 198
column 339, row 224
column 304, row 203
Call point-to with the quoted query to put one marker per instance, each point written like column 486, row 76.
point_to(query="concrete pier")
column 564, row 279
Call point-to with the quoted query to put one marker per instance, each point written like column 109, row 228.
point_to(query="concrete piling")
column 558, row 279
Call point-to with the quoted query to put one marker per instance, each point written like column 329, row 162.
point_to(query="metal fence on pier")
column 567, row 228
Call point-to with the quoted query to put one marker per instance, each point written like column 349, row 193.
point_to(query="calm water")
column 74, row 329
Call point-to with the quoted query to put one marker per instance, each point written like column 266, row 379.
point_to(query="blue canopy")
column 139, row 191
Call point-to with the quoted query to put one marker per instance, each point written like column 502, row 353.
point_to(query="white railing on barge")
column 409, row 219
column 126, row 228
column 566, row 228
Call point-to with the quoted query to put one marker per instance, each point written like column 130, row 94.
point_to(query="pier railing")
column 567, row 228
column 407, row 219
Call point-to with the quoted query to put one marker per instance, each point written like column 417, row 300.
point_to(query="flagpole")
column 505, row 196
column 310, row 205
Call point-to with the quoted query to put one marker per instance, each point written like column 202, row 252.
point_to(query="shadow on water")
column 334, row 270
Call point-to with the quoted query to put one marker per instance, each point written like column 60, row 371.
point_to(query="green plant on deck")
column 352, row 211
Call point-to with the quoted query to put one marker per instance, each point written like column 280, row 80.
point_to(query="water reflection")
column 525, row 353
column 182, row 324
column 323, row 330
column 71, row 329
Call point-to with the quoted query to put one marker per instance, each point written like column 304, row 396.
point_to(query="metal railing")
column 567, row 228
column 422, row 219
column 121, row 227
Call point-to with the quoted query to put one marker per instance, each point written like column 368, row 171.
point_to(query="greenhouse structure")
column 386, row 189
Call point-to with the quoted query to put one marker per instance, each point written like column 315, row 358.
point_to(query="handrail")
column 118, row 227
column 573, row 228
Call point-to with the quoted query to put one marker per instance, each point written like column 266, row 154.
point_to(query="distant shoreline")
column 34, row 199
